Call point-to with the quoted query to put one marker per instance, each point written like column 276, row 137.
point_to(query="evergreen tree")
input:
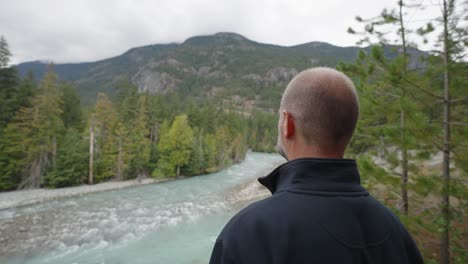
column 239, row 148
column 5, row 53
column 393, row 92
column 71, row 108
column 127, row 101
column 105, row 120
column 71, row 162
column 210, row 152
column 197, row 164
column 432, row 96
column 8, row 85
column 176, row 145
column 163, row 166
column 31, row 139
column 223, row 141
column 124, row 151
column 449, row 65
column 26, row 90
column 141, row 139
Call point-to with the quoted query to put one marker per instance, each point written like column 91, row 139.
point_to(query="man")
column 318, row 211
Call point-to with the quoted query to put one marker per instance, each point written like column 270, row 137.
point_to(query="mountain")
column 224, row 65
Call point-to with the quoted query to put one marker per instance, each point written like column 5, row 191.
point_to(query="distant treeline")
column 49, row 139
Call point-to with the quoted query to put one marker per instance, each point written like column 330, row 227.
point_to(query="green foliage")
column 71, row 162
column 71, row 108
column 29, row 142
column 125, row 154
column 176, row 145
column 140, row 132
column 209, row 147
column 5, row 53
column 197, row 164
column 8, row 94
column 262, row 135
column 106, row 153
column 127, row 100
column 412, row 108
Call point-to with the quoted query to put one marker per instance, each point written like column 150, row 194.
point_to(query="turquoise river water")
column 172, row 222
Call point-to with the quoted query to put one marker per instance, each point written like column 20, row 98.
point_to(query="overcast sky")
column 89, row 30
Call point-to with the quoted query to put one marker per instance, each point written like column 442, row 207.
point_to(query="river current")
column 169, row 223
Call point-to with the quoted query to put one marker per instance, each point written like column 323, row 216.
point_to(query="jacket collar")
column 319, row 176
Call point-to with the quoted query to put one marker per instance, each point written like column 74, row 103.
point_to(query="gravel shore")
column 28, row 197
column 249, row 191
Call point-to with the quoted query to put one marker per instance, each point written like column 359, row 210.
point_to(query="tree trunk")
column 445, row 239
column 91, row 150
column 404, row 150
column 403, row 33
column 35, row 171
column 178, row 170
column 54, row 151
column 404, row 165
column 201, row 156
column 120, row 161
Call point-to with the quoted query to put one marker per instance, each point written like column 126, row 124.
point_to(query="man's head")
column 318, row 114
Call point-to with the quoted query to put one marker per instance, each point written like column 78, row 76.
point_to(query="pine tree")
column 197, row 163
column 240, row 147
column 124, row 151
column 141, row 139
column 105, row 120
column 71, row 108
column 393, row 92
column 449, row 63
column 13, row 149
column 176, row 145
column 439, row 90
column 163, row 166
column 71, row 162
column 223, row 141
column 8, row 86
column 127, row 101
column 31, row 139
column 5, row 53
column 209, row 151
column 26, row 90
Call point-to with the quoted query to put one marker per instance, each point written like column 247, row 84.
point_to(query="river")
column 172, row 222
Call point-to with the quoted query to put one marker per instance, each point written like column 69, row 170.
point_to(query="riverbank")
column 28, row 197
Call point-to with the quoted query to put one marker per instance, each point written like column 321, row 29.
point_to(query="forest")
column 411, row 141
column 49, row 139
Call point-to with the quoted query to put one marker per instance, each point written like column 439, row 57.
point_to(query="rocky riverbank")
column 28, row 197
column 243, row 193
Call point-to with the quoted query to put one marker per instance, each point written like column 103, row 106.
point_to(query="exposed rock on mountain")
column 227, row 63
column 154, row 82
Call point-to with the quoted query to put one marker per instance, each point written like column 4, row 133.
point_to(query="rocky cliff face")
column 154, row 82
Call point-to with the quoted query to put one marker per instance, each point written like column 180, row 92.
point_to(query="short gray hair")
column 324, row 104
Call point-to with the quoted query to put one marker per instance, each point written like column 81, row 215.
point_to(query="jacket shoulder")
column 252, row 213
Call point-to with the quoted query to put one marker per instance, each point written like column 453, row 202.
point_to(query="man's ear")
column 289, row 128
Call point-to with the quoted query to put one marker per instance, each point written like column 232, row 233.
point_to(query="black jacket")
column 318, row 213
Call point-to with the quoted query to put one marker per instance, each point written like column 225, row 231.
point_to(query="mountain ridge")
column 225, row 64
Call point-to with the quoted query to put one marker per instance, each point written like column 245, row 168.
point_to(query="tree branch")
column 389, row 94
column 459, row 100
column 458, row 123
column 422, row 89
